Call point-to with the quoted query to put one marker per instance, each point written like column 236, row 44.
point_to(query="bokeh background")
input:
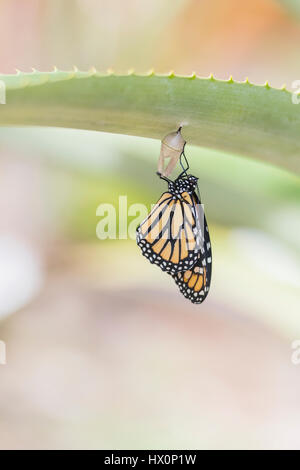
column 102, row 350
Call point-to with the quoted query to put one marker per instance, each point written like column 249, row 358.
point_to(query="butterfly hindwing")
column 194, row 283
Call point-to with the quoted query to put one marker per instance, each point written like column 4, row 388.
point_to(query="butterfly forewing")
column 169, row 236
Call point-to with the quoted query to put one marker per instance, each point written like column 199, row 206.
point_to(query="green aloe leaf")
column 256, row 121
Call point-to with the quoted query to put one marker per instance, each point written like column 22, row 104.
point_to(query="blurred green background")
column 102, row 350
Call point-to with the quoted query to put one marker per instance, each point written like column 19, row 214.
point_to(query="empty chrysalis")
column 172, row 146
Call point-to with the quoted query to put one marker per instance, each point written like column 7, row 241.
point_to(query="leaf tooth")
column 283, row 88
column 23, row 78
column 192, row 76
column 110, row 71
column 150, row 73
column 173, row 74
column 211, row 77
column 266, row 85
column 170, row 74
column 131, row 72
column 92, row 71
column 230, row 79
column 247, row 82
column 75, row 68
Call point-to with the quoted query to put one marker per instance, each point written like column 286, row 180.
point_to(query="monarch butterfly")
column 175, row 236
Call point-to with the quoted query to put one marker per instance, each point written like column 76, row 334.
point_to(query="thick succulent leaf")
column 256, row 121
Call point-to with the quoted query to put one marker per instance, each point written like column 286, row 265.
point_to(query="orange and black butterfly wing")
column 194, row 283
column 168, row 236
